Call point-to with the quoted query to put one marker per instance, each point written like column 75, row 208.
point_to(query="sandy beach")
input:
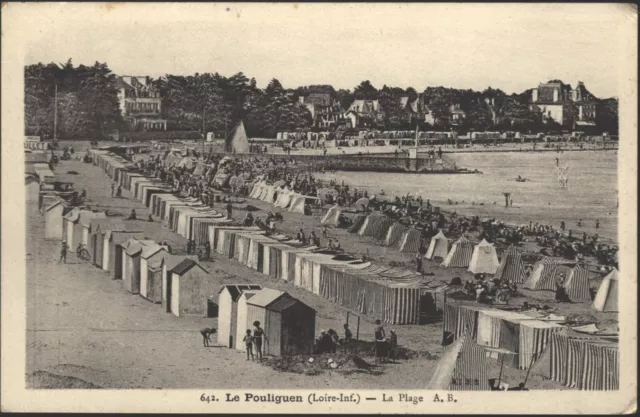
column 83, row 325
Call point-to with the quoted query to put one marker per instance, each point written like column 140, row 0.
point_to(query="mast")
column 55, row 115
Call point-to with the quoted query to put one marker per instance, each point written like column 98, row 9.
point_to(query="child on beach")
column 248, row 344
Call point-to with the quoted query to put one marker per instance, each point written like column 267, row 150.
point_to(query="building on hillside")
column 140, row 103
column 457, row 115
column 364, row 113
column 325, row 111
column 411, row 110
column 569, row 107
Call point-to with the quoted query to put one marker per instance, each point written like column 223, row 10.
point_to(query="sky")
column 508, row 46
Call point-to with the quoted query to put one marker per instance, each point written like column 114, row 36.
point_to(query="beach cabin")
column 150, row 254
column 54, row 220
column 242, row 323
column 32, row 188
column 72, row 234
column 290, row 327
column 228, row 312
column 155, row 265
column 113, row 250
column 85, row 224
column 187, row 284
column 131, row 263
column 289, row 324
column 97, row 229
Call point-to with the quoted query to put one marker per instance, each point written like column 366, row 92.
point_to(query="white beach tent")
column 439, row 246
column 607, row 296
column 484, row 259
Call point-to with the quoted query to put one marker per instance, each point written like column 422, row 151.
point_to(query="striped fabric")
column 511, row 266
column 357, row 223
column 450, row 322
column 375, row 225
column 534, row 337
column 470, row 371
column 577, row 284
column 410, row 241
column 460, row 254
column 543, row 276
column 394, row 233
column 467, row 322
column 584, row 363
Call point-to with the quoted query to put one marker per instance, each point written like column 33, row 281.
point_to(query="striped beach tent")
column 511, row 267
column 394, row 233
column 463, row 367
column 410, row 241
column 375, row 225
column 357, row 223
column 577, row 284
column 607, row 295
column 543, row 276
column 484, row 259
column 460, row 254
column 438, row 247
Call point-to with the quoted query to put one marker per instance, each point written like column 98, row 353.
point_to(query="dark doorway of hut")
column 429, row 312
column 169, row 295
column 212, row 308
column 117, row 273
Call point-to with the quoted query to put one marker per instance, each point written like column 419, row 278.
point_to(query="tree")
column 365, row 91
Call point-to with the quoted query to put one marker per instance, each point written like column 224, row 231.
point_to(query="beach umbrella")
column 364, row 202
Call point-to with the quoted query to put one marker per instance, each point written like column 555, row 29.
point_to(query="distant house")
column 569, row 107
column 325, row 111
column 457, row 115
column 140, row 103
column 411, row 109
column 364, row 113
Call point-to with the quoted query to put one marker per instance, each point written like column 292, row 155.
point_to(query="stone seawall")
column 372, row 163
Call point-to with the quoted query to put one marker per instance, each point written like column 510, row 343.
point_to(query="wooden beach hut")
column 228, row 312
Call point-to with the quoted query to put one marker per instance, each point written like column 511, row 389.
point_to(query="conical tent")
column 463, row 367
column 357, row 223
column 394, row 233
column 511, row 267
column 460, row 254
column 484, row 259
column 439, row 246
column 332, row 216
column 607, row 296
column 238, row 142
column 543, row 276
column 577, row 284
column 410, row 241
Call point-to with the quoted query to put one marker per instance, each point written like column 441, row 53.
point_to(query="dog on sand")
column 206, row 335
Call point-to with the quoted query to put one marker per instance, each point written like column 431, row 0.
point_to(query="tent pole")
column 528, row 370
column 501, row 368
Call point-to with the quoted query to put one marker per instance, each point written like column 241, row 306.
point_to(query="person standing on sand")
column 229, row 209
column 258, row 335
column 63, row 252
column 248, row 344
column 380, row 337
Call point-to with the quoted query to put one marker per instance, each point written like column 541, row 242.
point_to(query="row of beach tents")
column 280, row 197
column 482, row 258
